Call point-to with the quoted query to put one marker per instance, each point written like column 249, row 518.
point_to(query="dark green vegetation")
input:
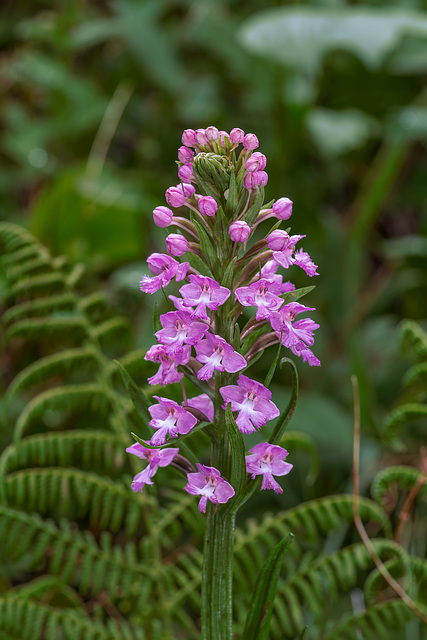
column 95, row 98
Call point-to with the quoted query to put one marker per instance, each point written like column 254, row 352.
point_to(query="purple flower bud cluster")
column 202, row 336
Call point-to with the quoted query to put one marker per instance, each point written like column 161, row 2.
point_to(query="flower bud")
column 207, row 205
column 256, row 162
column 212, row 169
column 282, row 208
column 236, row 136
column 212, row 133
column 185, row 173
column 175, row 197
column 261, row 178
column 189, row 138
column 239, row 231
column 200, row 136
column 162, row 216
column 278, row 240
column 185, row 155
column 250, row 141
column 176, row 244
column 187, row 189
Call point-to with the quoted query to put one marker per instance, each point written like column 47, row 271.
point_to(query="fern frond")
column 112, row 327
column 27, row 620
column 45, row 588
column 55, row 490
column 403, row 415
column 74, row 556
column 413, row 339
column 324, row 578
column 376, row 583
column 416, row 374
column 64, row 325
column 14, row 238
column 87, row 449
column 46, row 283
column 404, row 477
column 64, row 398
column 374, row 623
column 53, row 365
column 62, row 302
column 40, row 263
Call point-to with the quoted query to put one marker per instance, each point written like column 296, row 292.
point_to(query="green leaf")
column 300, row 37
column 287, row 414
column 291, row 296
column 270, row 374
column 261, row 608
column 206, row 247
column 238, row 464
column 253, row 211
column 303, row 633
column 231, row 205
column 138, row 397
column 199, row 265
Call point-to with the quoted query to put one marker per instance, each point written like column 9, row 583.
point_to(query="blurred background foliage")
column 95, row 97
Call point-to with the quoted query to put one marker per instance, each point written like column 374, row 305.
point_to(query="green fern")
column 404, row 477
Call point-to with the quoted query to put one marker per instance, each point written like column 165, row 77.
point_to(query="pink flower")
column 267, row 460
column 175, row 197
column 255, row 179
column 187, row 189
column 169, row 360
column 185, row 172
column 282, row 208
column 204, row 404
column 303, row 260
column 239, row 231
column 306, row 354
column 189, row 138
column 256, row 162
column 268, row 272
column 253, row 402
column 162, row 216
column 200, row 135
column 164, row 268
column 293, row 332
column 176, row 244
column 185, row 155
column 205, row 293
column 236, row 136
column 250, row 141
column 170, row 419
column 212, row 133
column 217, row 355
column 179, row 329
column 262, row 294
column 156, row 458
column 207, row 205
column 209, row 484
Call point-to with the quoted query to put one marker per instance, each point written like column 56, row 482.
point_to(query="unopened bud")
column 189, row 138
column 282, row 208
column 185, row 173
column 185, row 155
column 200, row 135
column 212, row 169
column 162, row 216
column 187, row 189
column 256, row 162
column 176, row 244
column 236, row 135
column 239, row 231
column 207, row 205
column 175, row 197
column 278, row 240
column 212, row 133
column 250, row 141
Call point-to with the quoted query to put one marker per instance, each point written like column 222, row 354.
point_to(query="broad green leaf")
column 261, row 607
column 300, row 37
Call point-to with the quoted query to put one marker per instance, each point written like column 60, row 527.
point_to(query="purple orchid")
column 179, row 329
column 164, row 269
column 209, row 484
column 303, row 260
column 205, row 293
column 253, row 402
column 268, row 460
column 204, row 404
column 262, row 294
column 217, row 355
column 169, row 361
column 293, row 332
column 156, row 458
column 170, row 419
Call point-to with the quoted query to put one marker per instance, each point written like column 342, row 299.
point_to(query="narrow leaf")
column 231, row 205
column 270, row 374
column 261, row 608
column 206, row 248
column 199, row 265
column 238, row 464
column 253, row 211
column 291, row 296
column 303, row 633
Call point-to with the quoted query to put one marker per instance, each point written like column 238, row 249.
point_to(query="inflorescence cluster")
column 223, row 192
